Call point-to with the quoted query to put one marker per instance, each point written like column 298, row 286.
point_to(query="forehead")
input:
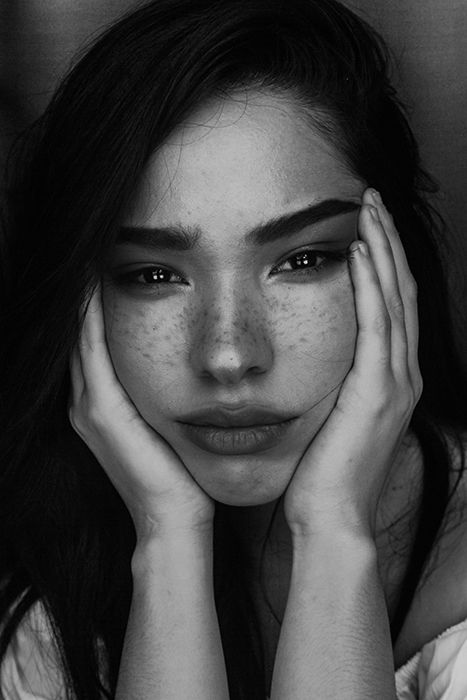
column 237, row 161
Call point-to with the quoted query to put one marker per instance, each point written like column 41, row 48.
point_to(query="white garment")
column 439, row 670
column 30, row 670
column 31, row 667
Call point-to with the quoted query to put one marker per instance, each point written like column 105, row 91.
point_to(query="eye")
column 310, row 261
column 150, row 276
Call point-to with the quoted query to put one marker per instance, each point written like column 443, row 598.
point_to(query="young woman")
column 232, row 435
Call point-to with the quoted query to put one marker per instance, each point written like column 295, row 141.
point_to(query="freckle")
column 274, row 304
column 170, row 363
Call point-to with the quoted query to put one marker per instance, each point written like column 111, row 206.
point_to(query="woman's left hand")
column 341, row 476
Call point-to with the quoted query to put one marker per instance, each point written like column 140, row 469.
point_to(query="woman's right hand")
column 159, row 492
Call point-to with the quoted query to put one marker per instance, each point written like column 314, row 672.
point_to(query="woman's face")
column 217, row 297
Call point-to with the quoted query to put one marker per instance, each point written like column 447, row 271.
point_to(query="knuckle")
column 409, row 398
column 86, row 419
column 381, row 324
column 72, row 415
column 412, row 289
column 96, row 417
column 75, row 418
column 386, row 247
column 418, row 388
column 406, row 404
column 378, row 404
column 396, row 306
column 379, row 400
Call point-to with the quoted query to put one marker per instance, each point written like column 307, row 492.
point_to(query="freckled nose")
column 230, row 341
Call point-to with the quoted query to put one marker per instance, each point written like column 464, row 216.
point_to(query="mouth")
column 237, row 440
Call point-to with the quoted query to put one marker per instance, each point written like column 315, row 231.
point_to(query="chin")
column 245, row 499
column 246, row 482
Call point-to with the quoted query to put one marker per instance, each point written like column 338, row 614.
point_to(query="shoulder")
column 31, row 666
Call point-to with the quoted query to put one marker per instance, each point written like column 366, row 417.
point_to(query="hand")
column 342, row 474
column 156, row 487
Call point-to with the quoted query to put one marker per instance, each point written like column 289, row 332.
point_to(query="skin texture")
column 327, row 504
column 232, row 329
column 233, row 332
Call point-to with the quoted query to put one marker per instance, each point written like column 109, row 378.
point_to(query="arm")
column 172, row 647
column 335, row 640
column 335, row 637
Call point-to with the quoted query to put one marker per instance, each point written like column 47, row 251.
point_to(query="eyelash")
column 328, row 257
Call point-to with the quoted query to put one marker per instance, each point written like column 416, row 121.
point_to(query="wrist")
column 173, row 550
column 339, row 541
column 151, row 530
column 339, row 524
column 336, row 564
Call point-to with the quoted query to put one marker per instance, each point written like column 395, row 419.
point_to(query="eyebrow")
column 182, row 238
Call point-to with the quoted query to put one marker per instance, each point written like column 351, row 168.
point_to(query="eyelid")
column 130, row 272
column 328, row 252
column 131, row 275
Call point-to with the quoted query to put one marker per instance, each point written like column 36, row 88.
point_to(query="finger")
column 92, row 331
column 76, row 377
column 373, row 232
column 97, row 367
column 372, row 351
column 407, row 285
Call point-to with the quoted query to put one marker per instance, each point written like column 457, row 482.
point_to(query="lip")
column 243, row 416
column 245, row 430
column 237, row 441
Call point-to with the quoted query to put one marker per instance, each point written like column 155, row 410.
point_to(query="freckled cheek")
column 317, row 336
column 146, row 350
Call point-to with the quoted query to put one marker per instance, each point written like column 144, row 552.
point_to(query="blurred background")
column 39, row 38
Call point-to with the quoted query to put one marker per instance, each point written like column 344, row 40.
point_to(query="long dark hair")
column 65, row 535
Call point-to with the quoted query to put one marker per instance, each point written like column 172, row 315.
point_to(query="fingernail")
column 376, row 196
column 358, row 247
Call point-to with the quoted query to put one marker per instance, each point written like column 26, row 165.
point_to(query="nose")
column 230, row 340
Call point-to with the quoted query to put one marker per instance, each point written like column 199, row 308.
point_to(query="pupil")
column 305, row 260
column 155, row 275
